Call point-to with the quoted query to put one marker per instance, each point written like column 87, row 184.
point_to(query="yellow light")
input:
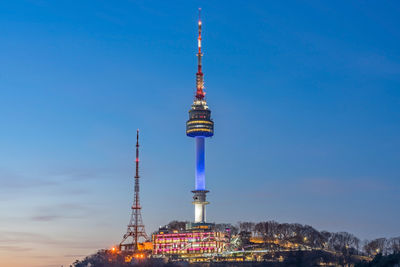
column 199, row 130
column 200, row 121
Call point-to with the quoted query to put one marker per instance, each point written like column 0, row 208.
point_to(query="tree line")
column 305, row 235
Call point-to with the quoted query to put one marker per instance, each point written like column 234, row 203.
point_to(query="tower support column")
column 200, row 203
column 200, row 182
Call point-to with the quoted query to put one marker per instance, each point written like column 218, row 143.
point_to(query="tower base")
column 200, row 205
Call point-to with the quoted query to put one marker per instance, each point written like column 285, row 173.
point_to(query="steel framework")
column 135, row 229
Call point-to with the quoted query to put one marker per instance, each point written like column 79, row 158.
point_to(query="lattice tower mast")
column 136, row 228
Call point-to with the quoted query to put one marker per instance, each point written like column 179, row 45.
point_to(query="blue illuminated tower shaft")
column 200, row 126
column 200, row 168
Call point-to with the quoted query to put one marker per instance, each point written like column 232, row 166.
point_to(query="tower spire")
column 199, row 75
column 199, row 38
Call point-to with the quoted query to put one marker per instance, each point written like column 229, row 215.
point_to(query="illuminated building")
column 189, row 243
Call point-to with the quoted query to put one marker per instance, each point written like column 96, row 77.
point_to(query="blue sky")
column 305, row 98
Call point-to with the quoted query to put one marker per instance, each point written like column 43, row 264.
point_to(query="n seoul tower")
column 200, row 126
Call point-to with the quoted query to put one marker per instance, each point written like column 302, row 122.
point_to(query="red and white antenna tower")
column 199, row 75
column 135, row 229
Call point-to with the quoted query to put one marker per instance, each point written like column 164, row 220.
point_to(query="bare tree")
column 246, row 227
column 375, row 246
column 177, row 225
column 394, row 245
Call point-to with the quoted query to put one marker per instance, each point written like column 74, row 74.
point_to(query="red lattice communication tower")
column 135, row 230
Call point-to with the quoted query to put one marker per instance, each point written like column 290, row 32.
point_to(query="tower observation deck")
column 200, row 126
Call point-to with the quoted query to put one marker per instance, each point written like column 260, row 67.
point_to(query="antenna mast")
column 199, row 75
column 135, row 227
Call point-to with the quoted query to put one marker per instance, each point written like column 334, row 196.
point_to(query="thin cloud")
column 9, row 180
column 14, row 248
column 9, row 239
column 74, row 255
column 336, row 186
column 69, row 211
column 23, row 237
column 79, row 174
column 45, row 218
